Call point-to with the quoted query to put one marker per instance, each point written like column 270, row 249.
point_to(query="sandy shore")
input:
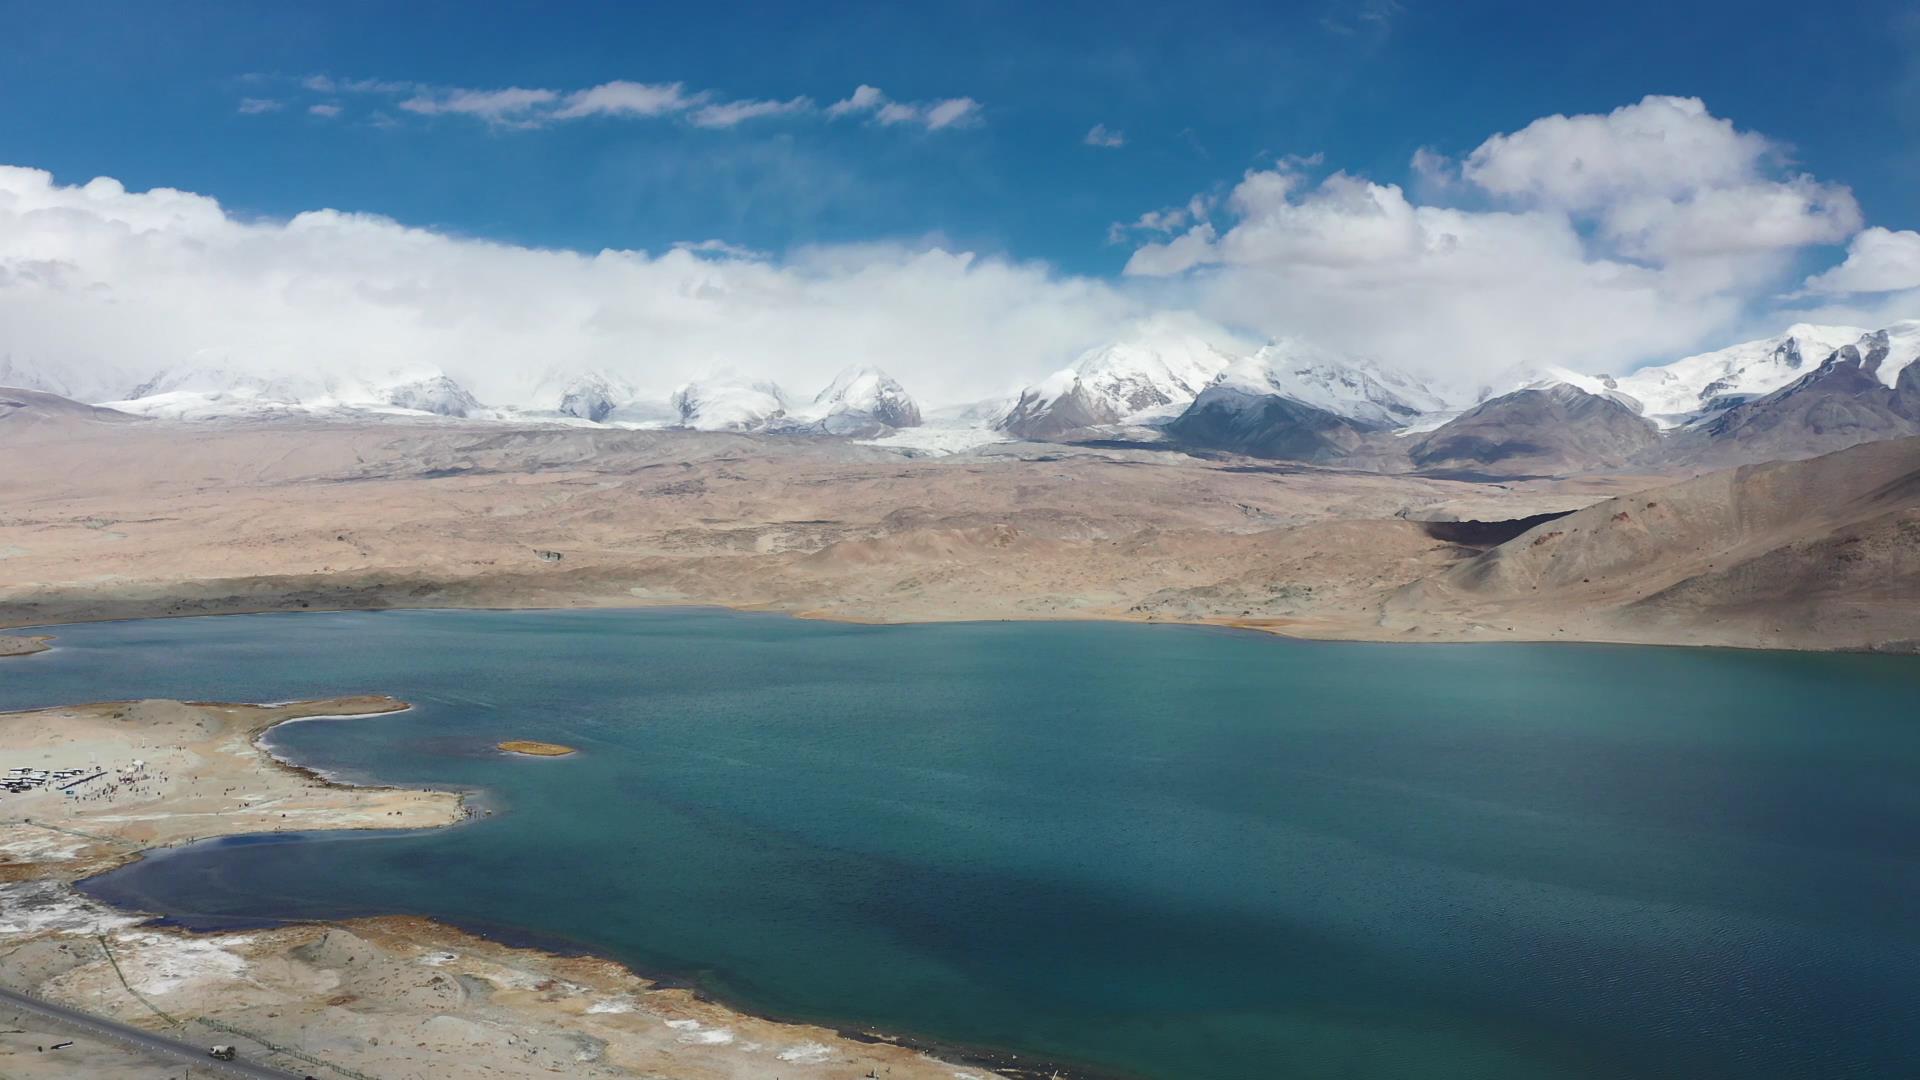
column 24, row 645
column 382, row 997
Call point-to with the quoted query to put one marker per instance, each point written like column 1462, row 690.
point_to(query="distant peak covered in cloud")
column 1600, row 239
column 521, row 107
column 1595, row 242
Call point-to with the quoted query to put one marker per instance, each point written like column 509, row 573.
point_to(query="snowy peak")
column 1125, row 381
column 862, row 402
column 728, row 403
column 593, row 396
column 1694, row 386
column 200, row 393
column 435, row 394
column 1326, row 380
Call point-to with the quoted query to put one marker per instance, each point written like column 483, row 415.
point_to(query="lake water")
column 1151, row 851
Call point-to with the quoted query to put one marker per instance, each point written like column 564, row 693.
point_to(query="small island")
column 24, row 646
column 534, row 749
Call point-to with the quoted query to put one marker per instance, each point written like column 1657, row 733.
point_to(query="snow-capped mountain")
column 204, row 393
column 867, row 393
column 861, row 403
column 1316, row 376
column 435, row 394
column 1679, row 392
column 97, row 385
column 728, row 403
column 1128, row 381
column 594, row 396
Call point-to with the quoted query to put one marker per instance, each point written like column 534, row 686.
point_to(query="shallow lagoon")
column 1170, row 852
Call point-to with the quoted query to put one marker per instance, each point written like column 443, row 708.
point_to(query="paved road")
column 140, row 1039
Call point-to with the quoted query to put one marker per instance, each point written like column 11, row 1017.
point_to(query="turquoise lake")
column 1135, row 850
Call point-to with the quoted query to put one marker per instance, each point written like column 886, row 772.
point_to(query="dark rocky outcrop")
column 1551, row 430
column 1266, row 426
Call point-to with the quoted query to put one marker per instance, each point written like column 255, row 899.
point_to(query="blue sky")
column 149, row 93
column 1270, row 147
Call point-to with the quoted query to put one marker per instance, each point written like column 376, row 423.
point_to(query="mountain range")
column 1807, row 391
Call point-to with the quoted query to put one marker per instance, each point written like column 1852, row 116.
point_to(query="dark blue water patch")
column 1159, row 851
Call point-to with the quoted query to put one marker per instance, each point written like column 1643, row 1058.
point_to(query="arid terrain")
column 155, row 518
column 102, row 518
column 382, row 997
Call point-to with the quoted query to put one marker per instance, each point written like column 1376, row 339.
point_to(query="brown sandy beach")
column 22, row 645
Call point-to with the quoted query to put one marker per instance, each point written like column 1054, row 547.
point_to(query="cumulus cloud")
column 1878, row 260
column 1664, row 178
column 325, row 109
column 108, row 287
column 254, row 106
column 1589, row 241
column 1102, row 136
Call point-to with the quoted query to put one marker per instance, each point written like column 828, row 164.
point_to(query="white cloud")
column 728, row 113
column 863, row 99
column 513, row 105
column 517, row 107
column 1740, row 220
column 1664, row 178
column 1878, row 260
column 325, row 109
column 1100, row 135
column 1611, row 240
column 255, row 106
column 932, row 115
column 1659, row 146
column 622, row 98
column 106, row 284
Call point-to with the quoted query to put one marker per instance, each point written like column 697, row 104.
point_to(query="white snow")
column 1671, row 394
column 728, row 403
column 1316, row 376
column 1153, row 375
column 1903, row 348
column 214, row 393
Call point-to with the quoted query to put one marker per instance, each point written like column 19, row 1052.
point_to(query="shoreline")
column 62, row 878
column 24, row 645
column 1285, row 628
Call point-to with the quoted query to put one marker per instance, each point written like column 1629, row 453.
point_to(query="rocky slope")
column 33, row 413
column 1247, row 421
column 1820, row 553
column 1865, row 391
column 1554, row 430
